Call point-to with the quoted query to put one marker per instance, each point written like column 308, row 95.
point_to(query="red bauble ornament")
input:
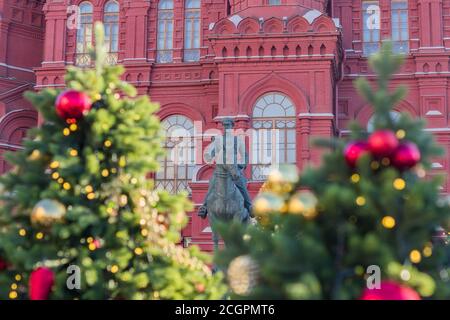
column 406, row 156
column 390, row 290
column 354, row 150
column 41, row 283
column 72, row 104
column 200, row 287
column 382, row 143
column 3, row 264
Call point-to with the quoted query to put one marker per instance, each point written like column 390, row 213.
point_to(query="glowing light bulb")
column 374, row 165
column 385, row 162
column 355, row 178
column 427, row 251
column 405, row 275
column 400, row 134
column 415, row 256
column 114, row 269
column 388, row 222
column 54, row 165
column 399, row 184
column 360, row 201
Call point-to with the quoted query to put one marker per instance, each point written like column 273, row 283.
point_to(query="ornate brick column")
column 178, row 31
column 136, row 43
column 55, row 32
column 136, row 14
column 51, row 73
column 303, row 147
column 430, row 19
column 345, row 12
column 311, row 126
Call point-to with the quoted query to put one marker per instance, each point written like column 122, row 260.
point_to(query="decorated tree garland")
column 369, row 204
column 384, row 146
column 79, row 196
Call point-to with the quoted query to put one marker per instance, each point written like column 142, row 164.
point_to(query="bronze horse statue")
column 225, row 202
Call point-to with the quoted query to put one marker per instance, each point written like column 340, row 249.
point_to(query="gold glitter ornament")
column 47, row 211
column 243, row 274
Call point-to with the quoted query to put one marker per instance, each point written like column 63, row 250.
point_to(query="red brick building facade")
column 282, row 64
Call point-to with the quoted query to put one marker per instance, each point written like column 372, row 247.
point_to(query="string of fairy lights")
column 154, row 225
column 276, row 196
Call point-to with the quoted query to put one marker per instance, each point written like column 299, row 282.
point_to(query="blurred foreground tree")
column 368, row 204
column 79, row 196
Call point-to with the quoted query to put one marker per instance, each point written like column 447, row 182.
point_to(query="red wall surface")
column 308, row 50
column 21, row 38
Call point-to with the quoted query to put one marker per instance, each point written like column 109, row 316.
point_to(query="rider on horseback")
column 219, row 151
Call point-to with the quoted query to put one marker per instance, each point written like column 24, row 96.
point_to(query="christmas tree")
column 79, row 200
column 369, row 205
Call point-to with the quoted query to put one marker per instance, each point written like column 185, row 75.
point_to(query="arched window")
column 192, row 30
column 84, row 35
column 165, row 31
column 111, row 23
column 395, row 115
column 178, row 164
column 274, row 135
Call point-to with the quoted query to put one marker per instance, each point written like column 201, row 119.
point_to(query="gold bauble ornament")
column 282, row 179
column 303, row 203
column 265, row 204
column 46, row 212
column 243, row 274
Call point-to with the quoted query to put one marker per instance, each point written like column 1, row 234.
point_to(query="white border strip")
column 15, row 68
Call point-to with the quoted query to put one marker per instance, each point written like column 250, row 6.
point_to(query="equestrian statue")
column 227, row 198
